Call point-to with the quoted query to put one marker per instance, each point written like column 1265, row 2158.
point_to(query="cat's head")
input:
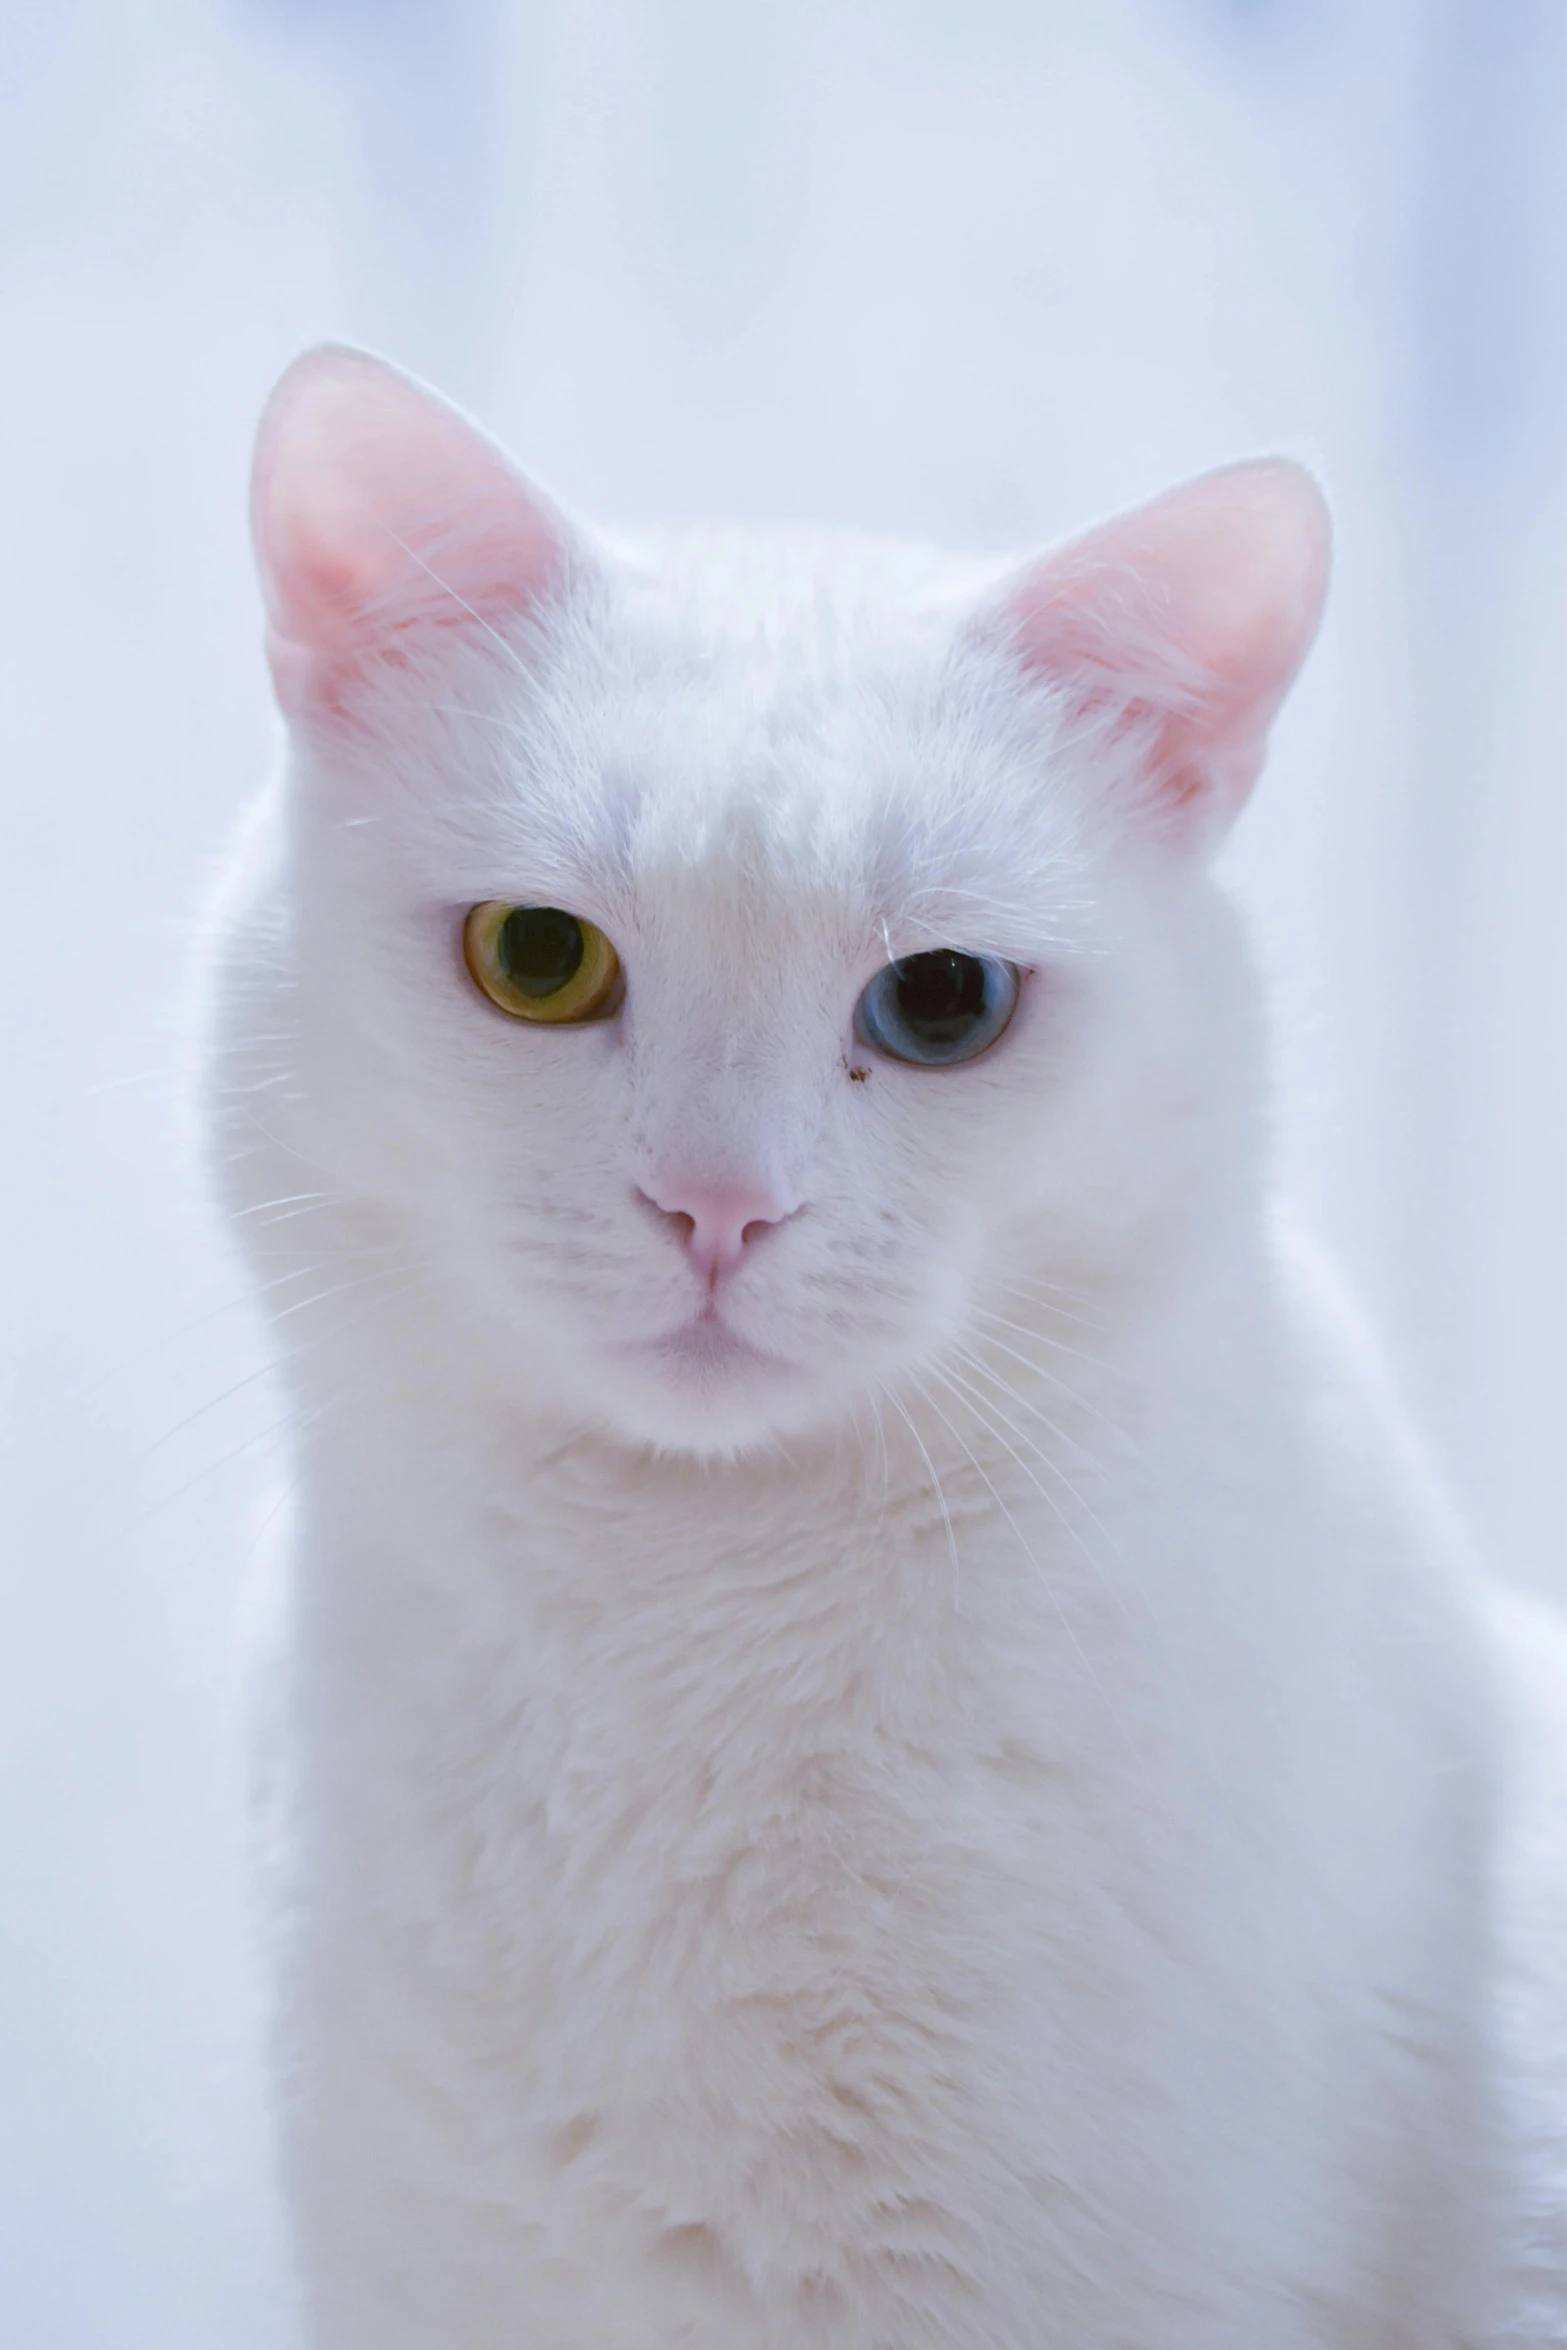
column 738, row 962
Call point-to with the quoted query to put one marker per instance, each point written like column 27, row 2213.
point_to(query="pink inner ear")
column 379, row 511
column 1189, row 618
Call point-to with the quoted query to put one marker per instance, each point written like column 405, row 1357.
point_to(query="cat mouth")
column 704, row 1346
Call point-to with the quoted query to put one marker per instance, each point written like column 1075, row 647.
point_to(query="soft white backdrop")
column 977, row 269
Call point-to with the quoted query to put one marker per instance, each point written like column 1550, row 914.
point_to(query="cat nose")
column 717, row 1221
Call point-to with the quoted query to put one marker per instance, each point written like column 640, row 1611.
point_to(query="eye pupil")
column 539, row 949
column 937, row 990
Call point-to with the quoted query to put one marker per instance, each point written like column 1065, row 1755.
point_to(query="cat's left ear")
column 1183, row 625
column 380, row 514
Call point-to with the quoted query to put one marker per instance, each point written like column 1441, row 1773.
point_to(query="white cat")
column 885, row 1744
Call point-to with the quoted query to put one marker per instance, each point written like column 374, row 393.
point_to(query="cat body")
column 883, row 1742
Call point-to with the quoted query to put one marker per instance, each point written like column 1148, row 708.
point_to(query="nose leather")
column 716, row 1222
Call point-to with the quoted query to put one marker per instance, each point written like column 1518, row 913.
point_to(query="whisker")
column 270, row 1369
column 966, row 1392
column 1057, row 1345
column 276, row 1140
column 287, row 1199
column 873, row 1401
column 886, row 1458
column 1064, row 1435
column 1063, row 1387
column 1036, row 1563
column 1046, row 1315
column 941, row 1500
column 116, row 1373
column 987, row 1415
column 293, row 1422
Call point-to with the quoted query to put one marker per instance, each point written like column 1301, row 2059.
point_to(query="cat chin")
column 704, row 1389
column 712, row 1426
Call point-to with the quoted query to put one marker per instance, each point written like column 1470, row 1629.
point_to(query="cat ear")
column 379, row 513
column 1185, row 621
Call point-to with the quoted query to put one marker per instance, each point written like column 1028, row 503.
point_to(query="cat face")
column 733, row 962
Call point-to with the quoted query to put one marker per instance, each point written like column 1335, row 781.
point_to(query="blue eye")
column 937, row 1008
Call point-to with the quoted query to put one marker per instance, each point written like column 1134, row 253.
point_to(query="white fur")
column 966, row 1828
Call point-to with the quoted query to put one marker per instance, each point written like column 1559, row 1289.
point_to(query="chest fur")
column 855, row 1876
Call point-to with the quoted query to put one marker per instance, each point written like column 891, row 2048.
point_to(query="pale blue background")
column 973, row 268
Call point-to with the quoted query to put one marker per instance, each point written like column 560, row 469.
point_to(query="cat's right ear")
column 380, row 514
column 1180, row 627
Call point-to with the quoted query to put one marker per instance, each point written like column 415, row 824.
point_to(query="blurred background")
column 972, row 269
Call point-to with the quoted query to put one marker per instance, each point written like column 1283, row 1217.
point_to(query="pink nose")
column 716, row 1221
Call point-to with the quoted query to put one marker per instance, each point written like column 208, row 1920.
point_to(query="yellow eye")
column 540, row 964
